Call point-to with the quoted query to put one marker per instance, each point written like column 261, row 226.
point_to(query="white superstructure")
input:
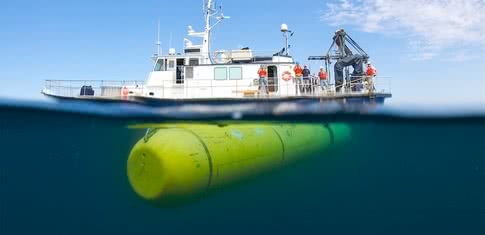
column 198, row 73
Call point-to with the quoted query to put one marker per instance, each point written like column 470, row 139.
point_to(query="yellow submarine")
column 176, row 163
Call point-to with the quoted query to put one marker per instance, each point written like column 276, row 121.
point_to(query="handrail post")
column 101, row 88
column 237, row 93
column 287, row 89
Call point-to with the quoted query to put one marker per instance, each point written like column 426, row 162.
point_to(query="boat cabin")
column 230, row 74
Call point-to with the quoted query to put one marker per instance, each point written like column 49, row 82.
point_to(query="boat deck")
column 113, row 91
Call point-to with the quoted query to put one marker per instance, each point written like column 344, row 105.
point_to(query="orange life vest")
column 322, row 75
column 298, row 71
column 371, row 71
column 262, row 73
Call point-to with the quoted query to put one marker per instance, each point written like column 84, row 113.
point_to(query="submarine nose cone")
column 168, row 165
column 145, row 172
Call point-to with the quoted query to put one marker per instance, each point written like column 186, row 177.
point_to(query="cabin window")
column 220, row 73
column 235, row 73
column 171, row 64
column 193, row 62
column 159, row 65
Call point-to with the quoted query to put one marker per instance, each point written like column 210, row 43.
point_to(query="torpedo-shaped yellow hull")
column 176, row 163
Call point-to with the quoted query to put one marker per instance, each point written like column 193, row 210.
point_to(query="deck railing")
column 101, row 88
column 209, row 88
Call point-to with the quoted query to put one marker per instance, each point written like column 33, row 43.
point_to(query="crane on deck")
column 340, row 52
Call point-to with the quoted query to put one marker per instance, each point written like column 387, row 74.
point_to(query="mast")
column 286, row 35
column 158, row 43
column 208, row 11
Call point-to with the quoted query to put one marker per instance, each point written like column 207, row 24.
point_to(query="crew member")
column 306, row 79
column 323, row 78
column 263, row 80
column 371, row 73
column 371, row 70
column 298, row 77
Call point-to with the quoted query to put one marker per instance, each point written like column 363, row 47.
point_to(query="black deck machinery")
column 340, row 52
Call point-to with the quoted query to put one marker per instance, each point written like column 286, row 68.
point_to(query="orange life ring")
column 286, row 76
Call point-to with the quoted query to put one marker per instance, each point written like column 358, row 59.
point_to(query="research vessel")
column 200, row 75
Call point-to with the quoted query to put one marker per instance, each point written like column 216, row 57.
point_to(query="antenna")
column 158, row 43
column 170, row 42
column 284, row 29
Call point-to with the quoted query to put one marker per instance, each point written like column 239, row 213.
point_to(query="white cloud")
column 431, row 26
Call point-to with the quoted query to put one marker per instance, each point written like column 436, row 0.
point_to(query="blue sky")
column 434, row 51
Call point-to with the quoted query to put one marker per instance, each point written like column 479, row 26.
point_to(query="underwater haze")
column 63, row 170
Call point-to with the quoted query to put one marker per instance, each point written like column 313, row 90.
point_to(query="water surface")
column 63, row 171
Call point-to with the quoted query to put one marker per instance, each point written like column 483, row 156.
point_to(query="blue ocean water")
column 63, row 171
